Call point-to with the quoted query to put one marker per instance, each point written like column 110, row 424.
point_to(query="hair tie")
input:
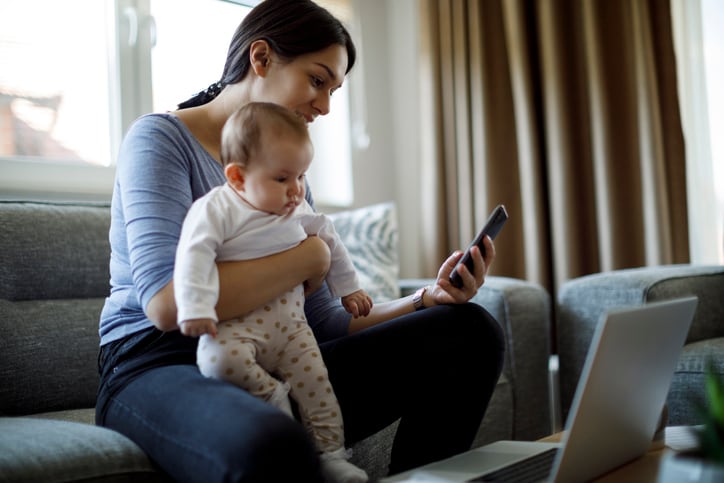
column 213, row 90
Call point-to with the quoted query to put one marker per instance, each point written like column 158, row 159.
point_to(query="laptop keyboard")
column 533, row 469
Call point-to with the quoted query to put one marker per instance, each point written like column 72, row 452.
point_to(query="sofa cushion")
column 371, row 237
column 53, row 279
column 66, row 259
column 687, row 394
column 49, row 359
column 583, row 301
column 58, row 451
column 707, row 283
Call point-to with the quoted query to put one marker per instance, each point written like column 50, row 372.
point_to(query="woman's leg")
column 436, row 369
column 203, row 430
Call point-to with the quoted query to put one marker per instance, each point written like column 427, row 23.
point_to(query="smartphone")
column 495, row 222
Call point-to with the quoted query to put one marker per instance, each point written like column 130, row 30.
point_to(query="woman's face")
column 305, row 84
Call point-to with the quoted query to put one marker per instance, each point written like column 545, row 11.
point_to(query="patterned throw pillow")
column 370, row 235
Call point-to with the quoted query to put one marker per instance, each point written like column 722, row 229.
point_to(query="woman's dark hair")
column 291, row 27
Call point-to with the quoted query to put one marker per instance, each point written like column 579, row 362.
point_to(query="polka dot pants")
column 272, row 343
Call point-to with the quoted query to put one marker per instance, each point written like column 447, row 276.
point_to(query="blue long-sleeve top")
column 161, row 170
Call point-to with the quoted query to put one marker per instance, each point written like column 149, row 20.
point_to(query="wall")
column 387, row 170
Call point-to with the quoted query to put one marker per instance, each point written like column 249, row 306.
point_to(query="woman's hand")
column 444, row 292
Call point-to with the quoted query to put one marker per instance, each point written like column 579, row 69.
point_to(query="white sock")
column 336, row 468
column 280, row 398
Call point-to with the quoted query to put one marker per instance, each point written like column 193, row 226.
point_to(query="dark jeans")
column 435, row 370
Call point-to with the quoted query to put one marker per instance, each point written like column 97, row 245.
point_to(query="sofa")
column 54, row 278
column 581, row 303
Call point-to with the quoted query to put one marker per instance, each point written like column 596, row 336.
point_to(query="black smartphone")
column 495, row 222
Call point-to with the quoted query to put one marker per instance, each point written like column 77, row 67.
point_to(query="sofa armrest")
column 583, row 301
column 523, row 310
column 409, row 285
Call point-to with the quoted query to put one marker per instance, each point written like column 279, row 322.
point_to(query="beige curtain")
column 565, row 111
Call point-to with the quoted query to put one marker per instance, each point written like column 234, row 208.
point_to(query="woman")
column 431, row 361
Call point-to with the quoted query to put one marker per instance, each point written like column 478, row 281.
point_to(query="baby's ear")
column 235, row 175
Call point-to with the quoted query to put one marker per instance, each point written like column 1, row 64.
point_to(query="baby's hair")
column 251, row 125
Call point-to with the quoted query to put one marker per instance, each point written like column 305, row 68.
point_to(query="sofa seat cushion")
column 45, row 335
column 695, row 356
column 49, row 450
column 686, row 395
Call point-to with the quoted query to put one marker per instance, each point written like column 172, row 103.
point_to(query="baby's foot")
column 336, row 468
column 280, row 398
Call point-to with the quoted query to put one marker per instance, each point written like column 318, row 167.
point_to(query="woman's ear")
column 235, row 176
column 260, row 57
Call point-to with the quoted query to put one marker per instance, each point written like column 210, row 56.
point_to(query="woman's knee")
column 488, row 325
column 474, row 325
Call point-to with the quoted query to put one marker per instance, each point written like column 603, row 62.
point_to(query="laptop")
column 615, row 410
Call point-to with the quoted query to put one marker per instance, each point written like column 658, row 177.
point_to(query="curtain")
column 566, row 111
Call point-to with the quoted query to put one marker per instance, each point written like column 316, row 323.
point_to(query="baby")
column 271, row 351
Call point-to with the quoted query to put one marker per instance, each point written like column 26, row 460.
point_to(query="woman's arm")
column 245, row 285
column 442, row 292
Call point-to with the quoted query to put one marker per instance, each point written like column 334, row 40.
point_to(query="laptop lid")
column 623, row 387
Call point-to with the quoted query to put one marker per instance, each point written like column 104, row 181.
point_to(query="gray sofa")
column 53, row 280
column 581, row 303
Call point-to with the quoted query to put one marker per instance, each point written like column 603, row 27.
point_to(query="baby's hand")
column 357, row 303
column 198, row 327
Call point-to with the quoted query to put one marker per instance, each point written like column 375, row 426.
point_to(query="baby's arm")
column 196, row 280
column 198, row 327
column 357, row 303
column 342, row 276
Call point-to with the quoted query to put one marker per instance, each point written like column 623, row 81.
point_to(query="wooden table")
column 641, row 470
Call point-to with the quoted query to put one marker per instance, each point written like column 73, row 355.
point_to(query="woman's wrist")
column 422, row 298
column 428, row 300
column 161, row 309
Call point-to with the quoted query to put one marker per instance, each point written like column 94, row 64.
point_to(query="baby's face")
column 274, row 180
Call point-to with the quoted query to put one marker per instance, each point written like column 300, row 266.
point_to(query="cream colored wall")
column 388, row 168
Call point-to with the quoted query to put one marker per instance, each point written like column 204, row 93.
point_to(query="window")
column 71, row 85
column 699, row 43
column 183, row 60
column 54, row 73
